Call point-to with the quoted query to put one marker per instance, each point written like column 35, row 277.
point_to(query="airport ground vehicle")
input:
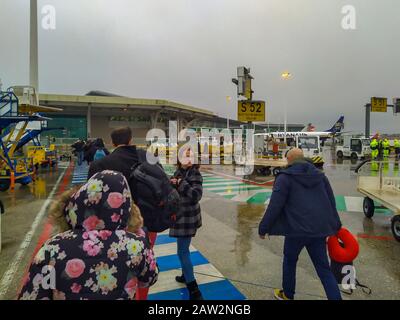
column 311, row 145
column 18, row 111
column 378, row 184
column 269, row 161
column 353, row 147
column 162, row 148
column 215, row 147
column 42, row 157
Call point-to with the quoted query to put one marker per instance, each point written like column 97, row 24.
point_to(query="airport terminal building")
column 96, row 114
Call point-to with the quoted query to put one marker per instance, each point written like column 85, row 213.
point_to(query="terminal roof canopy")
column 105, row 100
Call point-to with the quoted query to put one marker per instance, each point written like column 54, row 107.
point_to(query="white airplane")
column 308, row 132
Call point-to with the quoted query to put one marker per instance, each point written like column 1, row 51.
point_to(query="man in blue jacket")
column 303, row 209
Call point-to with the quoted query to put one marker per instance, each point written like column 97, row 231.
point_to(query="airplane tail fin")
column 338, row 126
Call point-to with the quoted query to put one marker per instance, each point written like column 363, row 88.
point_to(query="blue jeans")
column 184, row 258
column 80, row 157
column 316, row 248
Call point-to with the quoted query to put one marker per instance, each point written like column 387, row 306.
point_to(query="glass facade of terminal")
column 74, row 126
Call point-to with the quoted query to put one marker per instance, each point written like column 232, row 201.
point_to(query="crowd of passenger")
column 89, row 150
column 108, row 226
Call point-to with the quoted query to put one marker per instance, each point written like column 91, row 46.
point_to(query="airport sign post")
column 379, row 104
column 396, row 106
column 251, row 111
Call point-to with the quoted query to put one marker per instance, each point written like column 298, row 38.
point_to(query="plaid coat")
column 191, row 190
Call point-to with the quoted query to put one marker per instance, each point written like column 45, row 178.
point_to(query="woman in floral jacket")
column 103, row 254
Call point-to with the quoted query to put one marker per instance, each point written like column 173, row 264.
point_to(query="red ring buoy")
column 346, row 252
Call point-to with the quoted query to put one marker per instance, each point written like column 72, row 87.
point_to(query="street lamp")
column 286, row 75
column 228, row 100
column 33, row 42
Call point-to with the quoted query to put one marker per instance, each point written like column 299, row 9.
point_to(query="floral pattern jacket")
column 97, row 259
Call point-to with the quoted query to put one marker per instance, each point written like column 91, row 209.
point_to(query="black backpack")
column 153, row 193
column 342, row 270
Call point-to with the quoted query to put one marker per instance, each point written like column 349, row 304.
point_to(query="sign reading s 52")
column 253, row 111
column 378, row 104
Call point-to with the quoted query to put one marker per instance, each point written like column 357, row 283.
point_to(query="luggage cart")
column 269, row 166
column 377, row 182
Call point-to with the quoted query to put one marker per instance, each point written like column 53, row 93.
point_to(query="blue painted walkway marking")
column 171, row 262
column 212, row 283
column 80, row 174
column 218, row 290
column 164, row 239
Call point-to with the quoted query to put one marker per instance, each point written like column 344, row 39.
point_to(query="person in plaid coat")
column 189, row 183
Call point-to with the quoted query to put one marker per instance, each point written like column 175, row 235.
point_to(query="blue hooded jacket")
column 302, row 204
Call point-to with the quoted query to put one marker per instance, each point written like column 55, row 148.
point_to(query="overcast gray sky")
column 188, row 50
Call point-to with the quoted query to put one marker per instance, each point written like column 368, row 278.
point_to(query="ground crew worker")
column 386, row 148
column 385, row 168
column 397, row 148
column 396, row 169
column 374, row 149
column 380, row 148
column 374, row 145
column 275, row 149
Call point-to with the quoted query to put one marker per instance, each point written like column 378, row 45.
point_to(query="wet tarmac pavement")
column 228, row 239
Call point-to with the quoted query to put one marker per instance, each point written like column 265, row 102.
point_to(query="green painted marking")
column 224, row 185
column 259, row 198
column 220, row 181
column 234, row 188
column 340, row 203
column 215, row 178
column 230, row 196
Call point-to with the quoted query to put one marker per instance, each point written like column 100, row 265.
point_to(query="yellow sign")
column 251, row 111
column 378, row 104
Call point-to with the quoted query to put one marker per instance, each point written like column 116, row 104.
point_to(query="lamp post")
column 33, row 43
column 285, row 76
column 228, row 100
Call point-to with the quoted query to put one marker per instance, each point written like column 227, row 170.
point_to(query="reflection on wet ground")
column 21, row 207
column 248, row 219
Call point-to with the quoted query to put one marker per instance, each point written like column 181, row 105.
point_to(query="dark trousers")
column 316, row 248
column 80, row 155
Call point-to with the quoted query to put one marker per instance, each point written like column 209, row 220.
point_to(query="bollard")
column 12, row 180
